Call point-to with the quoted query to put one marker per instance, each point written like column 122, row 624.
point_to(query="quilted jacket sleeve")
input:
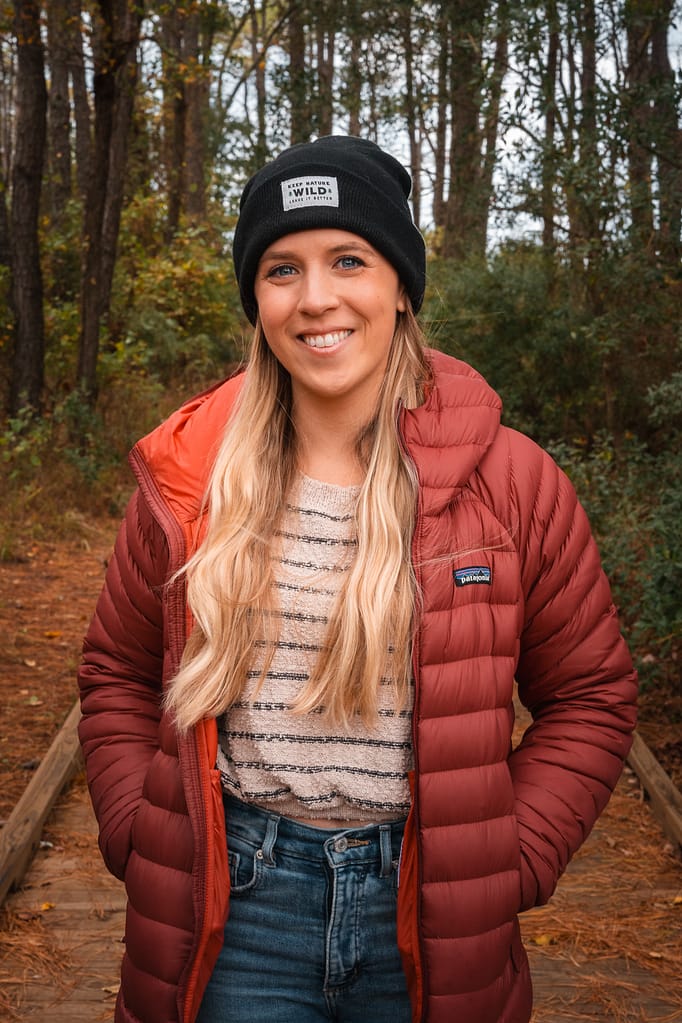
column 120, row 680
column 574, row 674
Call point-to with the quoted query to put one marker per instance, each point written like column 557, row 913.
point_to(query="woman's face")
column 328, row 301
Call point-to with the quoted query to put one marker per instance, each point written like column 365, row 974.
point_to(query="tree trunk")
column 81, row 102
column 114, row 85
column 258, row 57
column 325, row 45
column 173, row 118
column 27, row 286
column 298, row 84
column 353, row 73
column 174, row 114
column 590, row 170
column 411, row 108
column 5, row 252
column 104, row 93
column 59, row 110
column 462, row 235
column 373, row 116
column 549, row 147
column 668, row 139
column 124, row 102
column 6, row 135
column 637, row 108
column 196, row 95
column 440, row 156
column 492, row 120
column 185, row 116
column 575, row 176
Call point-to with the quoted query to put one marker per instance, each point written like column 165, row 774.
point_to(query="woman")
column 334, row 568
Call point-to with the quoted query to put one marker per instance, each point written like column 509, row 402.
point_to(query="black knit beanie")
column 337, row 181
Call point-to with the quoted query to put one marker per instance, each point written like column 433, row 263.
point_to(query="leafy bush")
column 74, row 458
column 570, row 355
column 506, row 318
column 634, row 502
column 175, row 311
column 22, row 445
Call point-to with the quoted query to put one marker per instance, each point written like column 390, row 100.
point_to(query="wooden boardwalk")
column 608, row 947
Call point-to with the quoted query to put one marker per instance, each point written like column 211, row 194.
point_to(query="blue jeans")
column 311, row 934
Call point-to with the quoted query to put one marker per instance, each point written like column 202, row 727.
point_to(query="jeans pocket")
column 246, row 870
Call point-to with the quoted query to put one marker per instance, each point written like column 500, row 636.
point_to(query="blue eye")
column 350, row 262
column 283, row 270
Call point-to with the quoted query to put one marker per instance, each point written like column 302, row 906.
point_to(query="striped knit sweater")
column 299, row 765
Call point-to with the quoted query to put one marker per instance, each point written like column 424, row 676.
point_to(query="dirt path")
column 47, row 596
column 608, row 946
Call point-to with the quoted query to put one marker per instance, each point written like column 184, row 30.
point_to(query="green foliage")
column 175, row 310
column 39, row 474
column 570, row 356
column 23, row 443
column 73, row 458
column 70, row 436
column 634, row 502
column 60, row 244
column 511, row 318
column 62, row 326
column 171, row 332
column 665, row 400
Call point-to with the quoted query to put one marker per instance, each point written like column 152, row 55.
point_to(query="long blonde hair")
column 229, row 578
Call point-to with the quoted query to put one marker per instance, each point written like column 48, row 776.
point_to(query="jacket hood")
column 457, row 422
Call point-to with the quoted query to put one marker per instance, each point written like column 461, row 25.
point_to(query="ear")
column 401, row 304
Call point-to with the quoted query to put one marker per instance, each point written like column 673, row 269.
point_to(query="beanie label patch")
column 310, row 190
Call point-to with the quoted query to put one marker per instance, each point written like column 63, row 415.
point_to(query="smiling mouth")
column 334, row 337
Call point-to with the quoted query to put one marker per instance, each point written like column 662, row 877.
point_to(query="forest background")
column 545, row 146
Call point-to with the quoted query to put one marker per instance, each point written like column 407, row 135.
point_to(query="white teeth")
column 325, row 340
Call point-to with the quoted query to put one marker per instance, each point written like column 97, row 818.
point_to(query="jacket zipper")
column 177, row 633
column 416, row 563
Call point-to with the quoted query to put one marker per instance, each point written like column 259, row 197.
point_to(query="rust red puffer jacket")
column 512, row 588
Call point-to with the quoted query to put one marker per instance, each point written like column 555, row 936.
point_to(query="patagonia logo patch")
column 469, row 576
column 310, row 190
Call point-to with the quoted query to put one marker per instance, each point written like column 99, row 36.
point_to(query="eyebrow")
column 284, row 254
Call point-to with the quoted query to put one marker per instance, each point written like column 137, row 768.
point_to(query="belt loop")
column 269, row 840
column 386, row 853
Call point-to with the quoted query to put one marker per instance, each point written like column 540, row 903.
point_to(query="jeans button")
column 340, row 845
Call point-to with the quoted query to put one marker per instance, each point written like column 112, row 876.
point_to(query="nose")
column 316, row 292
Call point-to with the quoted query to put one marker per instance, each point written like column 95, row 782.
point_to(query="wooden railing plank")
column 664, row 796
column 20, row 836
